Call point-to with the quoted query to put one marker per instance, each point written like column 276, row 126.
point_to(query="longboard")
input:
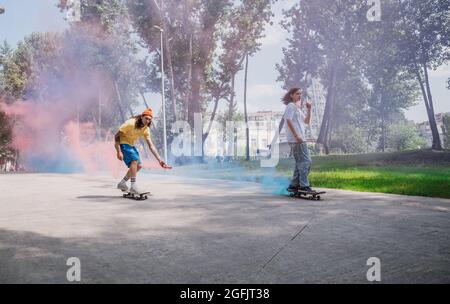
column 314, row 195
column 140, row 197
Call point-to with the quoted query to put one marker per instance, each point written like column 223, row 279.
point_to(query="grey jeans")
column 302, row 164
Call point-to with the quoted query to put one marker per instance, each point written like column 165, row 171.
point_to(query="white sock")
column 133, row 181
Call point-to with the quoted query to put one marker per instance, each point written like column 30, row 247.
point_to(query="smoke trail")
column 71, row 111
column 271, row 181
column 48, row 141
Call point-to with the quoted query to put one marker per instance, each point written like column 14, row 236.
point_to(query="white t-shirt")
column 297, row 117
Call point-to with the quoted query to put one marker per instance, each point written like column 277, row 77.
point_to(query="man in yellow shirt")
column 125, row 139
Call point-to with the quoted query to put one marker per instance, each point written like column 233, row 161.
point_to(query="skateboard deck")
column 140, row 197
column 314, row 195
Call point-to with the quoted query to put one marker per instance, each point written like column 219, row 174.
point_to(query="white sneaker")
column 123, row 186
column 134, row 189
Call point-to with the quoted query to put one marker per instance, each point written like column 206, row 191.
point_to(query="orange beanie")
column 147, row 112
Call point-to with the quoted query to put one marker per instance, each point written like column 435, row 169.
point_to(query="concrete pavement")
column 214, row 231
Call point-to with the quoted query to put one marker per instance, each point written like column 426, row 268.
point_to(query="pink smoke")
column 58, row 128
column 45, row 131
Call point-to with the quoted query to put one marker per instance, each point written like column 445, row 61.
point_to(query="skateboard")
column 140, row 197
column 314, row 195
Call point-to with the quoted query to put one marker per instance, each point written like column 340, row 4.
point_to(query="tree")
column 389, row 97
column 243, row 29
column 12, row 80
column 192, row 28
column 446, row 130
column 326, row 39
column 349, row 139
column 205, row 45
column 28, row 69
column 423, row 43
column 103, row 39
column 404, row 136
column 5, row 137
column 391, row 88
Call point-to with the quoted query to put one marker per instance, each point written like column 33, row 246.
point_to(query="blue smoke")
column 269, row 178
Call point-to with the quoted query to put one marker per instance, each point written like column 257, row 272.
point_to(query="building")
column 425, row 130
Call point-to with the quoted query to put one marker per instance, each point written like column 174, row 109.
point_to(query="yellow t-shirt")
column 129, row 134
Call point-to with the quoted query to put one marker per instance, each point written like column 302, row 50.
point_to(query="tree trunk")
column 383, row 126
column 208, row 130
column 231, row 104
column 247, row 135
column 430, row 113
column 189, row 80
column 211, row 119
column 168, row 57
column 99, row 122
column 119, row 101
column 130, row 110
column 325, row 128
column 231, row 100
column 171, row 77
column 143, row 98
column 194, row 103
column 432, row 119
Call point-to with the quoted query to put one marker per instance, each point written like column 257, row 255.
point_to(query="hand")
column 164, row 165
column 308, row 105
column 299, row 140
column 119, row 156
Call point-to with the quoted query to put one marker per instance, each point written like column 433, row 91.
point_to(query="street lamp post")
column 162, row 93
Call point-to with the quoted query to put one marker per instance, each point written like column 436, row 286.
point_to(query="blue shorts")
column 130, row 154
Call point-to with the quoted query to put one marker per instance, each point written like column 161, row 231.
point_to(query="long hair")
column 139, row 124
column 287, row 97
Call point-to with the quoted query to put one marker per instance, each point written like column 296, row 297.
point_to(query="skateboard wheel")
column 318, row 197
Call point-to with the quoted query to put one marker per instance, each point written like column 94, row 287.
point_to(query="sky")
column 22, row 17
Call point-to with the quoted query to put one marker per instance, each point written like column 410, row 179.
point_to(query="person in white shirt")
column 296, row 122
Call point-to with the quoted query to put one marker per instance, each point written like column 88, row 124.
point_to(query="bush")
column 404, row 136
column 349, row 139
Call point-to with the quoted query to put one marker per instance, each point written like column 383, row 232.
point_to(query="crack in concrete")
column 285, row 245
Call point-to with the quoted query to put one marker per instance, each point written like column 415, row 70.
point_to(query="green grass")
column 421, row 181
column 420, row 173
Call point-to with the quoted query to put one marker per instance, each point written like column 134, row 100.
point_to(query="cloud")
column 274, row 34
column 266, row 91
column 265, row 97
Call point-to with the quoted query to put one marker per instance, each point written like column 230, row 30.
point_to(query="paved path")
column 204, row 231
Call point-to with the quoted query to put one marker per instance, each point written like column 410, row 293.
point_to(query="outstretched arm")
column 152, row 148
